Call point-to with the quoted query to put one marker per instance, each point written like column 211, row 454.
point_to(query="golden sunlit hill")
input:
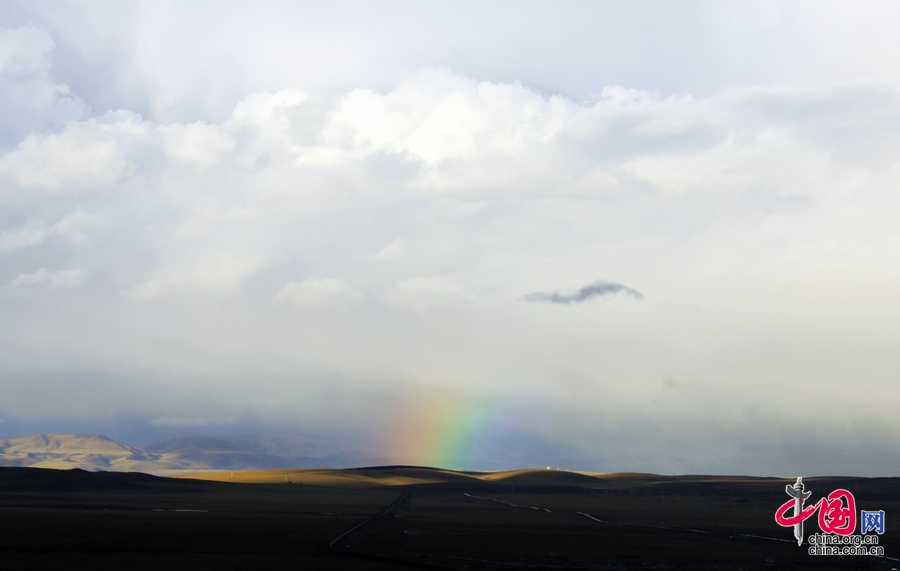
column 88, row 452
column 403, row 476
column 99, row 453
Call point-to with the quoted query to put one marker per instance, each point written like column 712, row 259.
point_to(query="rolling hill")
column 96, row 453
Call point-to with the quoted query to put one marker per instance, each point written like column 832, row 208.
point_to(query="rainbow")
column 444, row 433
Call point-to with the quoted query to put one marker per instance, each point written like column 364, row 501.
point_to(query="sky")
column 642, row 236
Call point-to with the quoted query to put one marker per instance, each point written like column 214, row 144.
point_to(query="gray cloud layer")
column 234, row 225
column 586, row 293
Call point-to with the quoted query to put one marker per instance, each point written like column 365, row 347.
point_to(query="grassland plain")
column 408, row 517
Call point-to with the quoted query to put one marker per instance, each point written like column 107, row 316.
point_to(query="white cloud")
column 767, row 159
column 392, row 251
column 62, row 279
column 318, row 292
column 89, row 155
column 422, row 293
column 30, row 99
column 146, row 291
column 269, row 110
column 437, row 116
column 198, row 143
column 27, row 235
column 23, row 51
column 219, row 273
column 271, row 120
column 73, row 227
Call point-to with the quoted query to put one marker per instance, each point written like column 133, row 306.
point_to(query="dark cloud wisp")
column 586, row 293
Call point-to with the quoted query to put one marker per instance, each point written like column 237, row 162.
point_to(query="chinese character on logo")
column 872, row 521
column 837, row 513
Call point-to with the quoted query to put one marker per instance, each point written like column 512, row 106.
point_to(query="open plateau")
column 403, row 517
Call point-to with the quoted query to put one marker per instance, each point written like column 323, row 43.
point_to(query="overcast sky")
column 611, row 236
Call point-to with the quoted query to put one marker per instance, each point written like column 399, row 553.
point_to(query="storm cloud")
column 583, row 294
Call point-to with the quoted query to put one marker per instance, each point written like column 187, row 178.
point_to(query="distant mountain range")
column 193, row 453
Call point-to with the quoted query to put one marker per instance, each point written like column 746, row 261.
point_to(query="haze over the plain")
column 603, row 236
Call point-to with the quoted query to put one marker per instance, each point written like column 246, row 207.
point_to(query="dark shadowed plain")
column 399, row 517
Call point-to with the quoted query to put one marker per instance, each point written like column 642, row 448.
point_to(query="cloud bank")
column 345, row 254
